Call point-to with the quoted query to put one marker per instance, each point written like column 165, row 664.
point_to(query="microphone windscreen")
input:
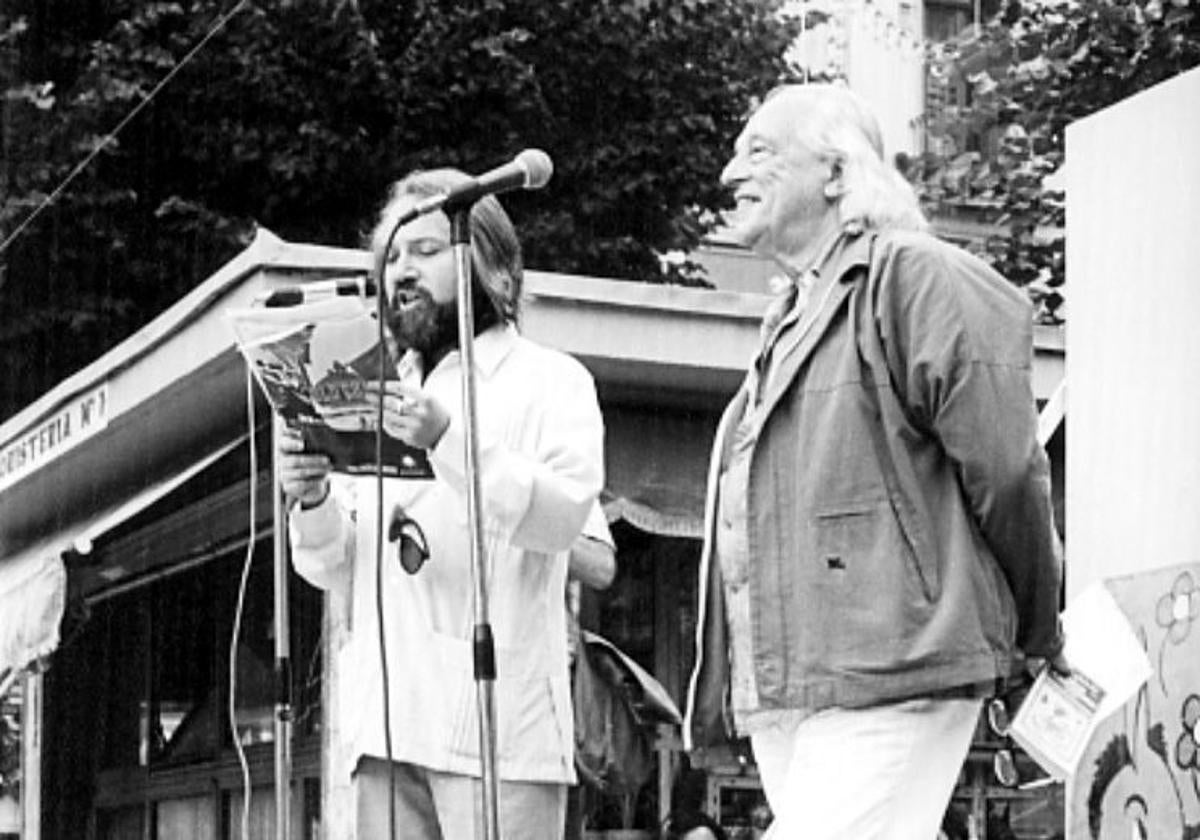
column 538, row 166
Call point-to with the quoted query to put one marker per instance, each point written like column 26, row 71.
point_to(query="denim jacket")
column 900, row 526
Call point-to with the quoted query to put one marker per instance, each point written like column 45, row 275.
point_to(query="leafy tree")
column 1032, row 70
column 296, row 113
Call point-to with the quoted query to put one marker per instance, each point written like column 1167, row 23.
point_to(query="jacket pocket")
column 872, row 530
column 871, row 592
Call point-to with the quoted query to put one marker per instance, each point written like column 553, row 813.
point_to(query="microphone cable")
column 382, row 356
column 243, row 584
column 112, row 135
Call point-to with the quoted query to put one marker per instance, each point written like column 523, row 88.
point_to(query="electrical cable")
column 380, row 315
column 238, row 610
column 112, row 135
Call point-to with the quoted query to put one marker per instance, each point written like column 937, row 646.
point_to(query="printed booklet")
column 314, row 361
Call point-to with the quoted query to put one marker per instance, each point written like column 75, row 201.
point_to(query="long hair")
column 497, row 265
column 835, row 123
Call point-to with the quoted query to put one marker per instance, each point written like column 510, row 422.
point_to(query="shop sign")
column 73, row 423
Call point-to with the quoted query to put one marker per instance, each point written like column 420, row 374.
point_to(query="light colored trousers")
column 881, row 773
column 446, row 806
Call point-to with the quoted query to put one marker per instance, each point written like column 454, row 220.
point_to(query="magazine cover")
column 314, row 361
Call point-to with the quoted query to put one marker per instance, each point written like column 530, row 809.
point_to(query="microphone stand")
column 483, row 642
column 283, row 655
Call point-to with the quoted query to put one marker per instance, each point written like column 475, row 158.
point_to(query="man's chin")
column 426, row 329
column 742, row 234
column 412, row 334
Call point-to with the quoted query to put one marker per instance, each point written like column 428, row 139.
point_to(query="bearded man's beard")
column 429, row 327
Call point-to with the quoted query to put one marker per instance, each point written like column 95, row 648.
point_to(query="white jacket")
column 541, row 468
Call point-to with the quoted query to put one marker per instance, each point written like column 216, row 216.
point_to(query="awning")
column 33, row 582
column 33, row 593
column 647, row 518
column 657, row 464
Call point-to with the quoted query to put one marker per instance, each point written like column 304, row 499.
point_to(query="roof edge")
column 265, row 250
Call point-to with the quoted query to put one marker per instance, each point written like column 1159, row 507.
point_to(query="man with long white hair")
column 880, row 549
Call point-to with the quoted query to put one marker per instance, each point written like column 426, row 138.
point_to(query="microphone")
column 530, row 170
column 318, row 290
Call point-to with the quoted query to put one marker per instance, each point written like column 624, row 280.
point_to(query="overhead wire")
column 112, row 135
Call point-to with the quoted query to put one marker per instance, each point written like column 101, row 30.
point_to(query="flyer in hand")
column 314, row 362
column 1108, row 666
column 1057, row 718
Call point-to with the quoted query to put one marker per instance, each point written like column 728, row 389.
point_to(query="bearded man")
column 540, row 438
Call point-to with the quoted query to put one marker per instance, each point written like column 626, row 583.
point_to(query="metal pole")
column 283, row 654
column 484, row 645
column 32, row 721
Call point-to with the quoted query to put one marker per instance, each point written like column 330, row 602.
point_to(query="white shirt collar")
column 490, row 349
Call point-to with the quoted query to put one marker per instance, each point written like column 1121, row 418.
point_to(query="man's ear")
column 835, row 185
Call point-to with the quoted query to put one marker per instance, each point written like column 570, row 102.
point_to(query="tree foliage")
column 1032, row 70
column 297, row 113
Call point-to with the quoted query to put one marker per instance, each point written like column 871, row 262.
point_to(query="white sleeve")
column 322, row 542
column 543, row 496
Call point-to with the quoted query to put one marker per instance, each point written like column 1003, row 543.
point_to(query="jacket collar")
column 851, row 250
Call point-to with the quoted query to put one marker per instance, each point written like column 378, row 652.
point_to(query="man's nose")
column 734, row 172
column 401, row 274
